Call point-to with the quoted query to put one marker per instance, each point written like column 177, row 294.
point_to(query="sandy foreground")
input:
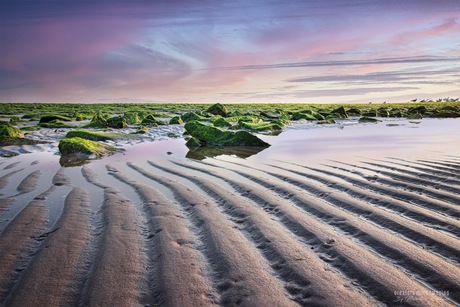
column 354, row 216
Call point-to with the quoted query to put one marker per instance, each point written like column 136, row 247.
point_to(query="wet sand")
column 365, row 214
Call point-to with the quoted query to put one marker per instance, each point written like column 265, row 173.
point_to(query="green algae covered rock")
column 117, row 122
column 261, row 126
column 189, row 116
column 132, row 118
column 340, row 112
column 366, row 119
column 98, row 121
column 209, row 135
column 176, row 120
column 92, row 135
column 55, row 124
column 10, row 131
column 76, row 146
column 301, row 115
column 218, row 109
column 193, row 142
column 221, row 123
column 49, row 118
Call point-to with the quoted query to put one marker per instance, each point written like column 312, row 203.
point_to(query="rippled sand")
column 337, row 216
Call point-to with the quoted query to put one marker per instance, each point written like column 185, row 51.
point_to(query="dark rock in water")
column 414, row 116
column 327, row 121
column 395, row 113
column 48, row 118
column 366, row 119
column 446, row 114
column 354, row 112
column 117, row 122
column 300, row 115
column 270, row 115
column 209, row 135
column 176, row 120
column 340, row 111
column 383, row 112
column 218, row 109
column 193, row 142
column 221, row 123
column 369, row 113
column 420, row 110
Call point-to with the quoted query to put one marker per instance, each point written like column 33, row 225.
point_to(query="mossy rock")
column 193, row 142
column 383, row 112
column 354, row 112
column 327, row 121
column 414, row 116
column 55, row 124
column 222, row 123
column 300, row 115
column 209, row 135
column 189, row 116
column 395, row 113
column 98, row 121
column 446, row 114
column 218, row 109
column 141, row 130
column 50, row 118
column 366, row 119
column 14, row 120
column 117, row 122
column 132, row 118
column 261, row 126
column 10, row 131
column 150, row 120
column 176, row 120
column 93, row 135
column 420, row 110
column 270, row 115
column 340, row 112
column 369, row 113
column 76, row 146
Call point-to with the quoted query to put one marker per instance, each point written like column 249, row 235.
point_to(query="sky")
column 280, row 51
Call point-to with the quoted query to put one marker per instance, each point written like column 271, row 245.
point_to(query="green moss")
column 142, row 130
column 222, row 123
column 189, row 116
column 132, row 118
column 150, row 120
column 93, row 135
column 261, row 126
column 55, row 124
column 193, row 142
column 78, row 145
column 50, row 118
column 117, row 122
column 176, row 120
column 98, row 121
column 218, row 109
column 10, row 131
column 209, row 135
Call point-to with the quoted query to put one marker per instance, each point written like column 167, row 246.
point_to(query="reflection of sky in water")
column 372, row 140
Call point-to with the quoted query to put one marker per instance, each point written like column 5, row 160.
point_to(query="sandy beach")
column 363, row 215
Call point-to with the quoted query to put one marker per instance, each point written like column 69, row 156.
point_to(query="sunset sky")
column 307, row 51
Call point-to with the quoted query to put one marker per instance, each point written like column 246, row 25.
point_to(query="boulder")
column 218, row 109
column 150, row 120
column 366, row 119
column 49, row 118
column 209, row 135
column 117, row 122
column 176, row 120
column 79, row 146
column 221, row 123
column 9, row 131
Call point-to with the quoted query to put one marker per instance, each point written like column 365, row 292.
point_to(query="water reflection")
column 244, row 152
column 73, row 160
